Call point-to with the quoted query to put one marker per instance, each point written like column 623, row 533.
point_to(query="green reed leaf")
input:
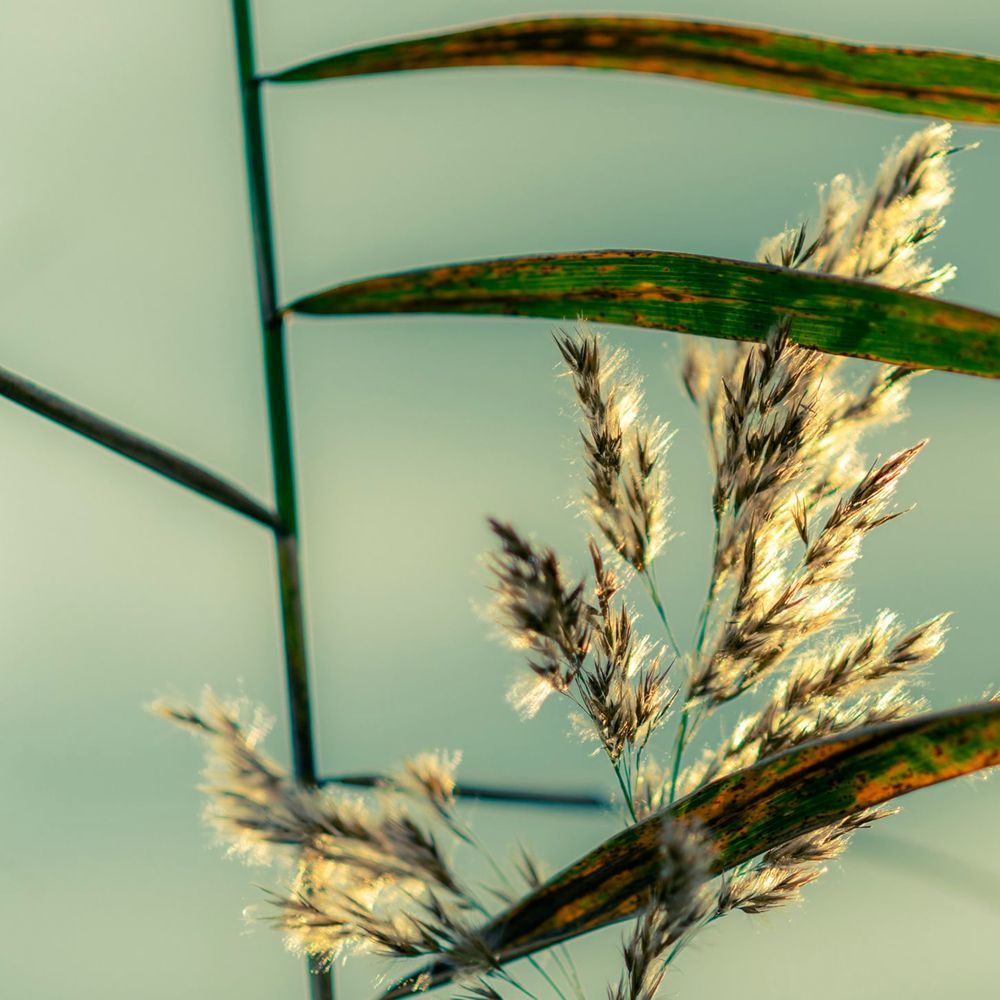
column 746, row 813
column 954, row 85
column 689, row 293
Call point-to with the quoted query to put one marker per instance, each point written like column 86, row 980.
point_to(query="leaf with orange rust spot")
column 689, row 293
column 745, row 814
column 954, row 85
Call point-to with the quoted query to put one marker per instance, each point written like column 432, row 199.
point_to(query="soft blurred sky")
column 127, row 285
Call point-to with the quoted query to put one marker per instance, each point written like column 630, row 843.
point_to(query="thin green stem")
column 625, row 790
column 686, row 937
column 654, row 595
column 682, row 729
column 564, row 960
column 650, row 581
column 465, row 834
column 706, row 607
column 491, row 793
column 510, row 980
column 280, row 424
column 615, row 764
column 540, row 969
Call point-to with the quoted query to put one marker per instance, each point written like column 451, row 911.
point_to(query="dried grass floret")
column 623, row 689
column 323, row 921
column 369, row 876
column 430, row 777
column 625, row 454
column 252, row 804
column 784, row 427
column 767, row 621
column 539, row 613
column 792, row 502
column 617, row 679
column 880, row 234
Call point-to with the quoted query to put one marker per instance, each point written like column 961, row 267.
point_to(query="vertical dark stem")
column 279, row 419
column 296, row 664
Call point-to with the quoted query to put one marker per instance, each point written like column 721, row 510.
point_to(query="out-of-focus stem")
column 492, row 793
column 132, row 446
column 280, row 424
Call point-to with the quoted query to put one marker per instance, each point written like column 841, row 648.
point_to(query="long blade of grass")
column 745, row 813
column 689, row 293
column 954, row 85
column 132, row 446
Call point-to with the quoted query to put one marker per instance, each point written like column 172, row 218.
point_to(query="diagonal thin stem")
column 132, row 446
column 280, row 423
column 654, row 595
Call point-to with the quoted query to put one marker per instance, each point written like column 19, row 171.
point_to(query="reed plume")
column 625, row 454
column 792, row 501
column 368, row 876
column 588, row 651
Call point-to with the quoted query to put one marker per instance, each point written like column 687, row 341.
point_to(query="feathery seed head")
column 252, row 804
column 679, row 902
column 540, row 614
column 431, row 777
column 625, row 455
column 368, row 878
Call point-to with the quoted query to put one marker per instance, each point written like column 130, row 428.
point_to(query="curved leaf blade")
column 710, row 296
column 746, row 814
column 955, row 85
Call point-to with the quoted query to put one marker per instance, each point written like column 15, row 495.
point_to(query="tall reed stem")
column 280, row 423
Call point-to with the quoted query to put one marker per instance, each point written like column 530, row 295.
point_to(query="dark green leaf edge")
column 688, row 293
column 955, row 85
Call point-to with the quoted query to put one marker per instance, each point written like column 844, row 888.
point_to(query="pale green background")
column 127, row 285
